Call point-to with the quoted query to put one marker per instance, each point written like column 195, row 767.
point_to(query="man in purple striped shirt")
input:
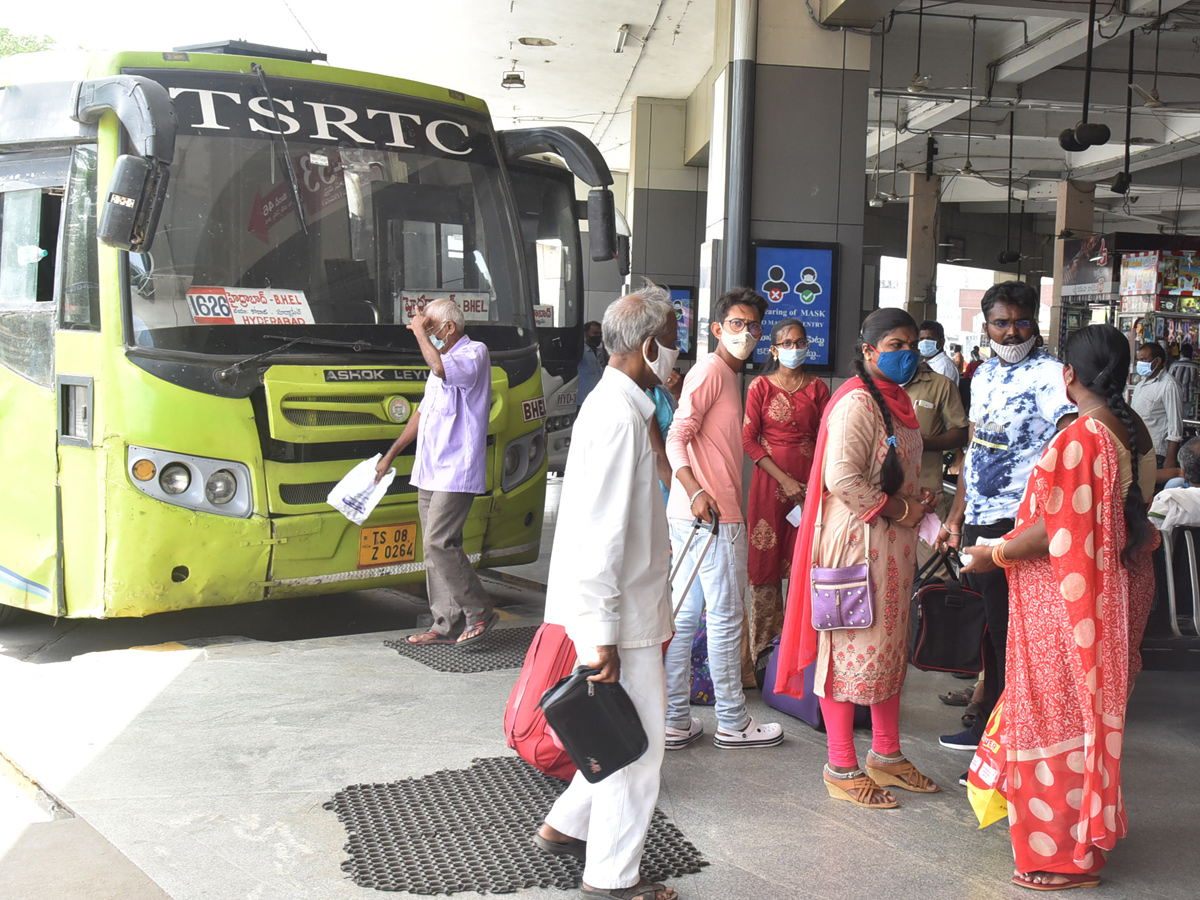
column 450, row 428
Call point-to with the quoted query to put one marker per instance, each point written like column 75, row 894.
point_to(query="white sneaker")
column 753, row 735
column 677, row 738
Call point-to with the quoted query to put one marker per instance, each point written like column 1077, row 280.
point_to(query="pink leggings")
column 839, row 729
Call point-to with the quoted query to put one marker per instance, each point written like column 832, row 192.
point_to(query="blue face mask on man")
column 438, row 343
column 1145, row 369
column 899, row 366
column 927, row 348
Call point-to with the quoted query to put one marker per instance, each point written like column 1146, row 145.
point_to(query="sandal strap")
column 904, row 770
column 860, row 786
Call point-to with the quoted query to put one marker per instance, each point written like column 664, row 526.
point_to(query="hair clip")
column 891, row 441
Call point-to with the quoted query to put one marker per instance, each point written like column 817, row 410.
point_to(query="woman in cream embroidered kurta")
column 866, row 665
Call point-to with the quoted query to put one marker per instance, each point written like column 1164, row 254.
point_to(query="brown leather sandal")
column 899, row 773
column 859, row 789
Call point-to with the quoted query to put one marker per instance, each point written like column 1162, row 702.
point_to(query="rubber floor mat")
column 500, row 648
column 471, row 830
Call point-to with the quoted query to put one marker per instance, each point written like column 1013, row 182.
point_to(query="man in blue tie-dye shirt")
column 1018, row 402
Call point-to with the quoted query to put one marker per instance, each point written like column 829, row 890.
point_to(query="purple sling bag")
column 842, row 597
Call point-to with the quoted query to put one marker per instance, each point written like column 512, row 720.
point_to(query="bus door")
column 31, row 190
column 545, row 199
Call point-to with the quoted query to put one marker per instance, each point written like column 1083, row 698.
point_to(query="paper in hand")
column 929, row 528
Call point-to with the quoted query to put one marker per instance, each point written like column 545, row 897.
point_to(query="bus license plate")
column 387, row 545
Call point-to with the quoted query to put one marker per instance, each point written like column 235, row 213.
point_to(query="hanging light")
column 513, row 78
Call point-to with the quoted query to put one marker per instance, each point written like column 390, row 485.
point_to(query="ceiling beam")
column 1184, row 143
column 1065, row 41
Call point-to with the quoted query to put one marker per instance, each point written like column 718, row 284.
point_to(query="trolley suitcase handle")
column 699, row 523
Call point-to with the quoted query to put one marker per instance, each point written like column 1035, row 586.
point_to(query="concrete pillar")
column 921, row 293
column 1075, row 212
column 809, row 99
column 665, row 203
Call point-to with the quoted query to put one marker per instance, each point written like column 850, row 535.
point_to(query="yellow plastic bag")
column 987, row 779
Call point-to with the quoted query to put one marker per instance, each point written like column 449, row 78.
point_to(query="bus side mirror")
column 623, row 254
column 135, row 198
column 602, row 224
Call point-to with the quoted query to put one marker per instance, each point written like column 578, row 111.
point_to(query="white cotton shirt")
column 943, row 365
column 609, row 568
column 1159, row 401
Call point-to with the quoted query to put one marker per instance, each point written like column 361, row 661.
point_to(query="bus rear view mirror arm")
column 138, row 185
column 585, row 161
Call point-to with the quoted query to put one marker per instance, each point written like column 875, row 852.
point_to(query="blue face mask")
column 438, row 343
column 1144, row 368
column 899, row 366
column 792, row 359
column 927, row 348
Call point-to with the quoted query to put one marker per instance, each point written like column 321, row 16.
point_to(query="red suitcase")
column 551, row 657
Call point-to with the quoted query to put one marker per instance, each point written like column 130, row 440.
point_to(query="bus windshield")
column 401, row 203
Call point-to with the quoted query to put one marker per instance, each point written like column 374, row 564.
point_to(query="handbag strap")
column 820, row 524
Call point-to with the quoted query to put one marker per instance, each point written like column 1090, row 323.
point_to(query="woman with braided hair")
column 1073, row 562
column 864, row 506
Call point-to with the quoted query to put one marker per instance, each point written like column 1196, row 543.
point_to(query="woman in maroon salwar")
column 1081, row 530
column 783, row 412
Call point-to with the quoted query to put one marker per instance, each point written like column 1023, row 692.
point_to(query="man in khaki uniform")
column 943, row 424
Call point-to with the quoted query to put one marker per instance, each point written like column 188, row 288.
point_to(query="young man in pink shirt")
column 704, row 447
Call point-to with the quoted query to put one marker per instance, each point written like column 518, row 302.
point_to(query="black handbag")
column 596, row 723
column 947, row 623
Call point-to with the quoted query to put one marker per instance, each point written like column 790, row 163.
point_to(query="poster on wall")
column 799, row 281
column 1088, row 269
column 683, row 299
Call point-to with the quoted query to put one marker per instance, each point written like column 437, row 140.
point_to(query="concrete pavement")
column 193, row 752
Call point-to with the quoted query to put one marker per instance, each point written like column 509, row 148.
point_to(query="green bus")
column 207, row 260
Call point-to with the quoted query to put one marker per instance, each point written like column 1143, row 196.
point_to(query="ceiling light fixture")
column 513, row 78
column 623, row 34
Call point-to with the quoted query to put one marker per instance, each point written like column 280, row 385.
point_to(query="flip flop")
column 487, row 624
column 436, row 639
column 957, row 698
column 1080, row 880
column 573, row 847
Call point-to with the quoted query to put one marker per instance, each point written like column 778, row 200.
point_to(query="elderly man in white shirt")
column 608, row 587
column 932, row 344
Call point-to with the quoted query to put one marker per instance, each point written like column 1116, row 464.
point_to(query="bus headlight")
column 221, row 487
column 523, row 458
column 216, row 486
column 175, row 478
column 512, row 460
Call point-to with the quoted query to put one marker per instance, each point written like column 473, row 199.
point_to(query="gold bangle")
column 1000, row 559
column 905, row 516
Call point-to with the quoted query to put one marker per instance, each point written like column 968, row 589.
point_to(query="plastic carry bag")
column 987, row 779
column 357, row 494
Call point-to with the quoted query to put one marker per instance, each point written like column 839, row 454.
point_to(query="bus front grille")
column 316, row 492
column 328, row 417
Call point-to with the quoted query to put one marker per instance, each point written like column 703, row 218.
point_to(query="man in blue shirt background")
column 592, row 363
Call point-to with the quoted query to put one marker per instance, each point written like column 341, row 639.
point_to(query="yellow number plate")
column 387, row 545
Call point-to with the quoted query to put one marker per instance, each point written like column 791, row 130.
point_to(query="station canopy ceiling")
column 1027, row 76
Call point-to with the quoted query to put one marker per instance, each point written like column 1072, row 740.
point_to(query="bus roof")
column 53, row 65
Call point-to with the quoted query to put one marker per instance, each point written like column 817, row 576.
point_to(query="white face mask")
column 1013, row 353
column 662, row 366
column 739, row 345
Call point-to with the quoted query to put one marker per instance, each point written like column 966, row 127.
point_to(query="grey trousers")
column 456, row 596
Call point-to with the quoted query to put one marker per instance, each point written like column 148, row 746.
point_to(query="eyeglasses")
column 737, row 326
column 1003, row 324
column 792, row 345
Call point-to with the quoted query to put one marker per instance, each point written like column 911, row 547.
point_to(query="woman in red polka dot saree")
column 1081, row 524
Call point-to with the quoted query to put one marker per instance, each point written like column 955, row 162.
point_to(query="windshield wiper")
column 287, row 154
column 288, row 343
